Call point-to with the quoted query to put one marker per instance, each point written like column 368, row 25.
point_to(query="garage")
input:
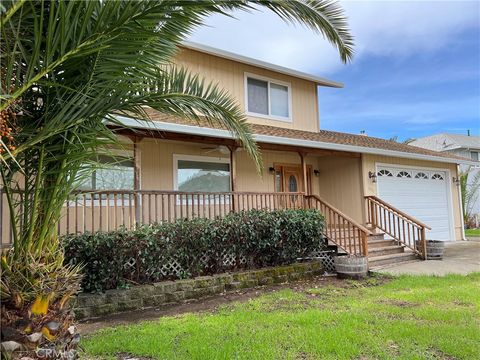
column 421, row 193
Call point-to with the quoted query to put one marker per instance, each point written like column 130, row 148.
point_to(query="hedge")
column 188, row 248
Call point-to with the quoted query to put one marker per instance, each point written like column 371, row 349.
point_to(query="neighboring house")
column 172, row 166
column 461, row 145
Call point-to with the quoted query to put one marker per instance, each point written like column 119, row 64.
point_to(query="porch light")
column 271, row 170
column 456, row 180
column 316, row 172
column 372, row 176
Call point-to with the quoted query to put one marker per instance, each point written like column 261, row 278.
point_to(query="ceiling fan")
column 222, row 149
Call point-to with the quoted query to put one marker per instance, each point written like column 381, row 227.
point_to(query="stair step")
column 385, row 250
column 377, row 236
column 390, row 259
column 381, row 243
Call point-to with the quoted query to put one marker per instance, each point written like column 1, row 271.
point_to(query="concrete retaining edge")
column 89, row 306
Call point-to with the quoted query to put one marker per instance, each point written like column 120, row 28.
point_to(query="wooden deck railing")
column 341, row 229
column 403, row 228
column 111, row 209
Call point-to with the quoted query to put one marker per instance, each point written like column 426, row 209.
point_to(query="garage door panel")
column 420, row 193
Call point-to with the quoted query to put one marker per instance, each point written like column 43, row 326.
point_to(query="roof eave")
column 259, row 63
column 270, row 139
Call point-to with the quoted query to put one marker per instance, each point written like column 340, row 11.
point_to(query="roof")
column 261, row 64
column 446, row 142
column 323, row 139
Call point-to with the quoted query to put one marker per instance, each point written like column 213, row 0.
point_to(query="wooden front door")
column 289, row 178
column 292, row 179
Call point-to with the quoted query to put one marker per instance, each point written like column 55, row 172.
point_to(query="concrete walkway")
column 460, row 257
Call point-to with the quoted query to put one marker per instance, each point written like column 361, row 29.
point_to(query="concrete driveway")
column 460, row 257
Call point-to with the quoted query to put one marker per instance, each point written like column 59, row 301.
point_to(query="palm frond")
column 67, row 66
column 177, row 92
column 323, row 16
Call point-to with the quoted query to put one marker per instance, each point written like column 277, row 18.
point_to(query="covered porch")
column 178, row 176
column 166, row 176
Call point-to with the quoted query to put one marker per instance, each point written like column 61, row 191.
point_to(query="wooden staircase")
column 383, row 251
column 390, row 236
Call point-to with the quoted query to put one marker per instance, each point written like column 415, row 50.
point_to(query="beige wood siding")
column 230, row 76
column 157, row 165
column 369, row 163
column 340, row 184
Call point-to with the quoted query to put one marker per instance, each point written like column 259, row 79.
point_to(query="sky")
column 416, row 69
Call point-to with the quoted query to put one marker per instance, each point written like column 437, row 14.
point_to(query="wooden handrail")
column 346, row 217
column 104, row 210
column 94, row 210
column 176, row 192
column 393, row 208
column 340, row 228
column 402, row 227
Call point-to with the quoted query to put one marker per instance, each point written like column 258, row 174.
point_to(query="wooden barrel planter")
column 435, row 249
column 351, row 267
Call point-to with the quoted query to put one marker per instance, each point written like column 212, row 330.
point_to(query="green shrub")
column 245, row 240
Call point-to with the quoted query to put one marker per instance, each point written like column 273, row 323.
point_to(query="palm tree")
column 70, row 67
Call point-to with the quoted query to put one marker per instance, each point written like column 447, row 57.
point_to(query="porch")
column 106, row 210
column 182, row 176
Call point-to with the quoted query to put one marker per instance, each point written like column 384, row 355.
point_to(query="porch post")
column 136, row 178
column 233, row 173
column 304, row 171
column 304, row 176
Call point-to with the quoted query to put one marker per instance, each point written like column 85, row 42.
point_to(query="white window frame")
column 248, row 75
column 212, row 159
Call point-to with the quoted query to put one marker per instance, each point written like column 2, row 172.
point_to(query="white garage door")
column 420, row 193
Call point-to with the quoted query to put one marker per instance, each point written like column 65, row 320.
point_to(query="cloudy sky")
column 416, row 70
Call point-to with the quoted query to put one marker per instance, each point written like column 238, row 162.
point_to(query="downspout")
column 459, row 190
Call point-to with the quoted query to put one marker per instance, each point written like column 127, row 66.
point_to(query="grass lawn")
column 472, row 232
column 405, row 318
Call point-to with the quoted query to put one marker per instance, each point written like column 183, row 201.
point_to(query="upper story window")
column 268, row 98
column 474, row 155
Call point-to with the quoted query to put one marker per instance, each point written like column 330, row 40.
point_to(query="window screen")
column 257, row 96
column 279, row 100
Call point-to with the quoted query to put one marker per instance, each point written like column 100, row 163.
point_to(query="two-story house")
column 379, row 197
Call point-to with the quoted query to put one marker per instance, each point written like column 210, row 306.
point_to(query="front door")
column 289, row 178
column 292, row 179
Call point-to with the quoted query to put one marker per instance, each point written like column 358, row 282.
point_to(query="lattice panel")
column 171, row 267
column 326, row 257
column 327, row 262
column 230, row 260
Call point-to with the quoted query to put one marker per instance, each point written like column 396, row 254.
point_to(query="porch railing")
column 111, row 209
column 402, row 227
column 341, row 229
